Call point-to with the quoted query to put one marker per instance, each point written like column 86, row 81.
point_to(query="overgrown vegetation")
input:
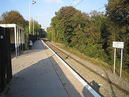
column 92, row 34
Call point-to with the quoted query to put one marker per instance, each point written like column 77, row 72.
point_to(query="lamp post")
column 33, row 26
column 29, row 16
column 33, row 2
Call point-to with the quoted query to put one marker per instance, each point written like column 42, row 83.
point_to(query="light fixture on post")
column 33, row 2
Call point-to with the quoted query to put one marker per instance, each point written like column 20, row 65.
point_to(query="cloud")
column 53, row 1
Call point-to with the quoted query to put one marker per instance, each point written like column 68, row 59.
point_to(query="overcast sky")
column 44, row 10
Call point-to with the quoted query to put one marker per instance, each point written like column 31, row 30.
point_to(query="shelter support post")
column 15, row 33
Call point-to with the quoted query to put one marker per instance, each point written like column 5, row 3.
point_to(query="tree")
column 65, row 22
column 79, row 30
column 34, row 27
column 93, row 33
column 118, row 11
column 118, row 15
column 62, row 23
column 50, row 34
column 13, row 17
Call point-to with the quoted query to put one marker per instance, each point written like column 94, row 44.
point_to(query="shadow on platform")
column 40, row 80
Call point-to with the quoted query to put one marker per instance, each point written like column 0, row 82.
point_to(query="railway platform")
column 39, row 73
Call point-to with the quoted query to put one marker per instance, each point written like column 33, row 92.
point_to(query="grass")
column 95, row 61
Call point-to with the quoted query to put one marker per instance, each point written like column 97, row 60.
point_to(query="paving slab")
column 34, row 76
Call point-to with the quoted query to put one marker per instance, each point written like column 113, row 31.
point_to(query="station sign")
column 118, row 44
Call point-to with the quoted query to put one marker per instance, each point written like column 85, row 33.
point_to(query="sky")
column 43, row 10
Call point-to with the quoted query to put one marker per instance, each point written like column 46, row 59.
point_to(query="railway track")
column 65, row 56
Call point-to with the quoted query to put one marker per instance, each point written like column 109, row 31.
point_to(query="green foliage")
column 50, row 35
column 92, row 34
column 78, row 30
column 34, row 27
column 13, row 17
column 118, row 18
column 118, row 11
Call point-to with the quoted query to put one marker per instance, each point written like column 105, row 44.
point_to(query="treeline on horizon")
column 15, row 17
column 92, row 34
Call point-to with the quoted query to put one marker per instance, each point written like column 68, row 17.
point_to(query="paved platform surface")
column 38, row 73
